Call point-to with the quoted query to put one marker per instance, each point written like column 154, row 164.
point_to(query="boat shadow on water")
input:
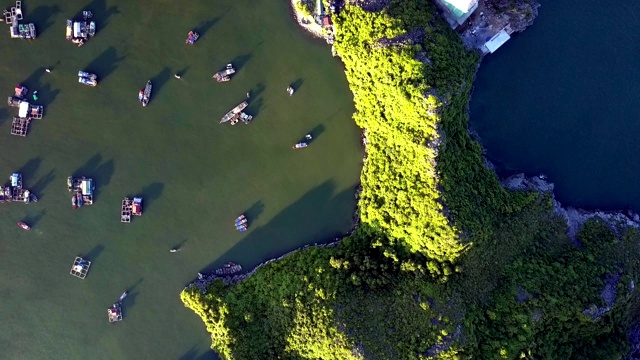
column 150, row 194
column 94, row 253
column 46, row 95
column 33, row 219
column 206, row 25
column 29, row 171
column 240, row 61
column 101, row 13
column 42, row 16
column 193, row 354
column 160, row 80
column 105, row 64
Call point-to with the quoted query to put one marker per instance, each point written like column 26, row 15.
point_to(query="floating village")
column 82, row 188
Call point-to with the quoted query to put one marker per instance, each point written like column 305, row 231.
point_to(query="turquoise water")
column 195, row 175
column 561, row 99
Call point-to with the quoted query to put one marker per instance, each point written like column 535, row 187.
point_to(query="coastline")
column 575, row 217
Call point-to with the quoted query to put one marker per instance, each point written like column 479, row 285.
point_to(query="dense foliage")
column 445, row 263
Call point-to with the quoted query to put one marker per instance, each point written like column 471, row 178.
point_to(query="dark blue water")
column 563, row 99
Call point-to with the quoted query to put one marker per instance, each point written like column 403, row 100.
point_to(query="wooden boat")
column 69, row 33
column 192, row 37
column 304, row 142
column 146, row 94
column 234, row 112
column 24, row 226
column 114, row 313
column 224, row 75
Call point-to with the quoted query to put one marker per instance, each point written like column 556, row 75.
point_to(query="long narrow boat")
column 147, row 94
column 234, row 112
column 24, row 226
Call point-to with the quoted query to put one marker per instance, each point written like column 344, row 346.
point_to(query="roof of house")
column 497, row 40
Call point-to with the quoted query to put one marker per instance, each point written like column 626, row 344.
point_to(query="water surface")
column 562, row 99
column 195, row 175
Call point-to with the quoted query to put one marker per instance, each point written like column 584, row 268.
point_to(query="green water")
column 195, row 175
column 562, row 99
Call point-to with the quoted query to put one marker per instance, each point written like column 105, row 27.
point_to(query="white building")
column 496, row 41
column 457, row 11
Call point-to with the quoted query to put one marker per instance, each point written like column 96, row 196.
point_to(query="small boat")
column 140, row 95
column 87, row 81
column 114, row 313
column 92, row 29
column 24, row 226
column 290, row 90
column 74, row 202
column 246, row 118
column 224, row 75
column 146, row 96
column 304, row 143
column 69, row 33
column 228, row 269
column 33, row 198
column 87, row 75
column 192, row 37
column 234, row 112
column 80, row 200
column 124, row 295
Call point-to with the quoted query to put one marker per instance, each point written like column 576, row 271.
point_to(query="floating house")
column 82, row 188
column 130, row 208
column 136, row 206
column 456, row 12
column 26, row 111
column 114, row 313
column 80, row 31
column 12, row 17
column 80, row 267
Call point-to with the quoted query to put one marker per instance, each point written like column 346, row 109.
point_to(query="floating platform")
column 14, row 101
column 20, row 126
column 127, row 210
column 114, row 313
column 80, row 267
column 228, row 269
column 82, row 186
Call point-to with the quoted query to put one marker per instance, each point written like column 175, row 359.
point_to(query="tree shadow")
column 254, row 211
column 297, row 84
column 98, row 170
column 29, row 170
column 309, row 217
column 160, row 80
column 101, row 13
column 105, row 64
column 42, row 183
column 46, row 95
column 192, row 354
column 240, row 61
column 42, row 15
column 151, row 193
column 33, row 219
column 94, row 253
column 205, row 26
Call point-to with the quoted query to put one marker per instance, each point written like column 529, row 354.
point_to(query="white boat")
column 234, row 112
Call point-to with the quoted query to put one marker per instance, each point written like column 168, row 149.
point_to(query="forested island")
column 445, row 262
